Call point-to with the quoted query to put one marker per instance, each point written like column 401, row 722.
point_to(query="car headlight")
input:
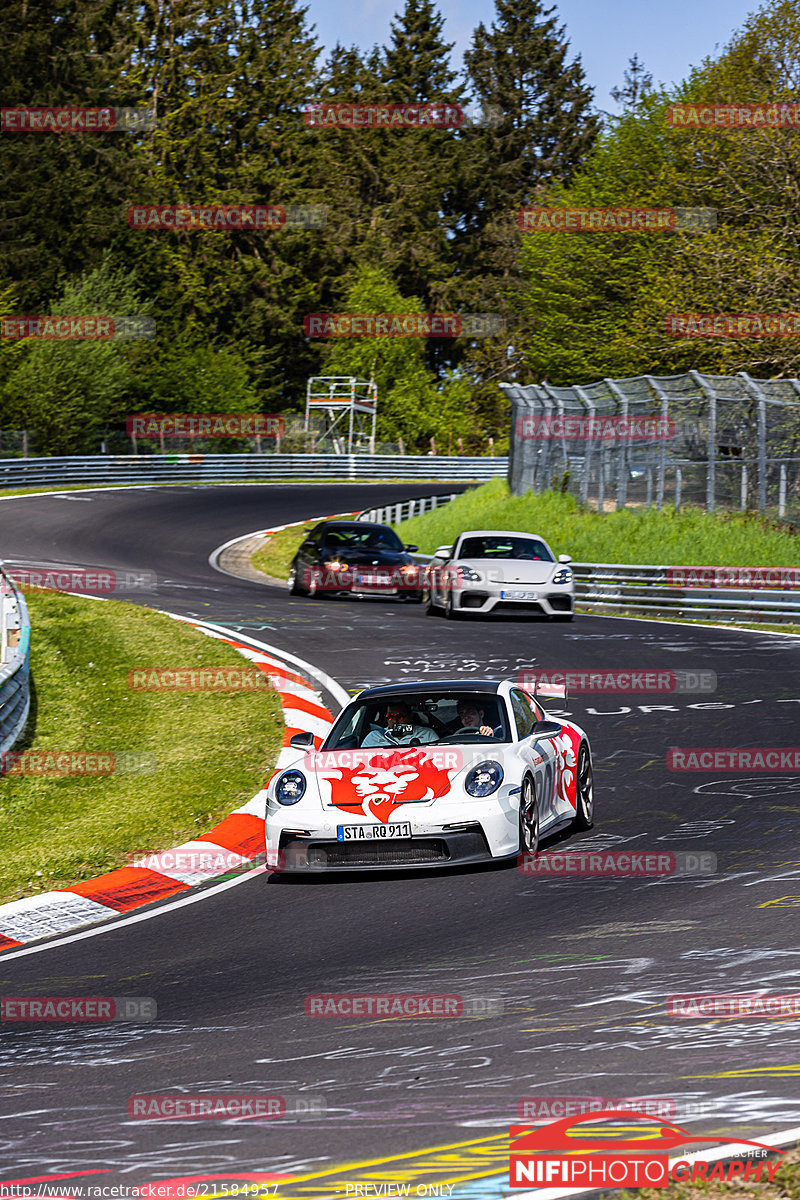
column 470, row 575
column 484, row 779
column 334, row 565
column 562, row 576
column 290, row 787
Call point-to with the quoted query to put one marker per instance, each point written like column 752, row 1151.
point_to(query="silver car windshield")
column 529, row 549
column 421, row 719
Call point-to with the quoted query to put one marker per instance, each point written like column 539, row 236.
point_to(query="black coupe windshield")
column 421, row 719
column 344, row 538
column 530, row 549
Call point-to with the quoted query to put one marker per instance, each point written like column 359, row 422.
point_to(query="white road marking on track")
column 333, row 686
column 170, row 906
column 220, row 631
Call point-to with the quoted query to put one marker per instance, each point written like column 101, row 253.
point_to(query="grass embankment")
column 208, row 751
column 642, row 535
column 274, row 558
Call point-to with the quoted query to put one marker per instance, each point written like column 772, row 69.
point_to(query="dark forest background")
column 420, row 220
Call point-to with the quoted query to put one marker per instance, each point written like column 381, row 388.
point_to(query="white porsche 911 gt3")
column 491, row 570
column 428, row 775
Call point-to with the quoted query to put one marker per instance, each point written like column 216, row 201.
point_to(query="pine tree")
column 62, row 192
column 545, row 128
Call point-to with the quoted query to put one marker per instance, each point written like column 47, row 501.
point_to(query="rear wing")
column 544, row 684
column 551, row 691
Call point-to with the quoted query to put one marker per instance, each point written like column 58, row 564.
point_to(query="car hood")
column 370, row 558
column 377, row 782
column 510, row 570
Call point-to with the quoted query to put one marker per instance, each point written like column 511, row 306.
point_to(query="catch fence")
column 714, row 440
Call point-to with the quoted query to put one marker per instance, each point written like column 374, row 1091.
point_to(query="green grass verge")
column 275, row 556
column 211, row 749
column 642, row 535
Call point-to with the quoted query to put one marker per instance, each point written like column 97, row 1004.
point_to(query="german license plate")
column 519, row 595
column 374, row 579
column 373, row 833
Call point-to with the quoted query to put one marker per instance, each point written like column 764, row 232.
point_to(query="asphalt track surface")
column 583, row 966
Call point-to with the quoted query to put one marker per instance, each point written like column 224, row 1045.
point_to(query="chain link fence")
column 713, row 440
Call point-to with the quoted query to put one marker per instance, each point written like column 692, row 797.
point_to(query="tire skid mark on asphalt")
column 241, row 834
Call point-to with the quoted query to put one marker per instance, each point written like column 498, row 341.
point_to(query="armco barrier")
column 608, row 587
column 618, row 587
column 242, row 468
column 393, row 514
column 15, row 642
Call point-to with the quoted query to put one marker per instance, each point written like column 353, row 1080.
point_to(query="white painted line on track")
column 336, row 690
column 167, row 906
column 302, row 719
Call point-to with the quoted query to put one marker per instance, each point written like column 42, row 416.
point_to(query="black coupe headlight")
column 484, row 779
column 562, row 576
column 290, row 787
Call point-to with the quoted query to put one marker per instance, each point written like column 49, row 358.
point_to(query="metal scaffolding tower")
column 342, row 409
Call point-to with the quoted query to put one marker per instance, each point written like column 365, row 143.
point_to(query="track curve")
column 583, row 965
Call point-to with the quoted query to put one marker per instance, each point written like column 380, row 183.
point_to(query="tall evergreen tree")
column 62, row 192
column 231, row 83
column 520, row 69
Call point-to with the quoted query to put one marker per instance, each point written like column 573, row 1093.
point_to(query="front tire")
column 430, row 608
column 450, row 611
column 295, row 588
column 528, row 819
column 584, row 787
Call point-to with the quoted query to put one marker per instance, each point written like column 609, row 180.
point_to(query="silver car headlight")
column 562, row 576
column 470, row 575
column 484, row 779
column 290, row 787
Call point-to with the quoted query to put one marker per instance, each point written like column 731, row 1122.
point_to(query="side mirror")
column 302, row 741
column 412, row 549
column 443, row 552
column 565, row 558
column 546, row 729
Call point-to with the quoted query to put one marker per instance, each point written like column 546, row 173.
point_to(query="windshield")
column 362, row 539
column 421, row 719
column 495, row 546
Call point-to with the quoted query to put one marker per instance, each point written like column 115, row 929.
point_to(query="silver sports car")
column 489, row 570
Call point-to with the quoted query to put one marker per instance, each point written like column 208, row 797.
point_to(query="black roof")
column 351, row 525
column 433, row 686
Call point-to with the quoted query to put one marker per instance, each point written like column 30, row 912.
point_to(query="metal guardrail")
column 393, row 514
column 639, row 588
column 15, row 641
column 226, row 468
column 643, row 588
